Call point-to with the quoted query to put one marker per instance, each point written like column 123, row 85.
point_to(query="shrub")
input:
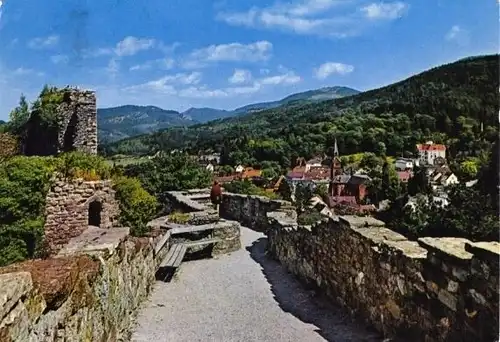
column 9, row 145
column 24, row 184
column 309, row 217
column 246, row 187
column 137, row 206
column 81, row 165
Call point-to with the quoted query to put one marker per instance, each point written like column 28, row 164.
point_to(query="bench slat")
column 182, row 251
column 202, row 242
column 172, row 255
column 178, row 229
column 162, row 242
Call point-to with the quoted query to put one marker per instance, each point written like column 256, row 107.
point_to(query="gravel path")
column 244, row 297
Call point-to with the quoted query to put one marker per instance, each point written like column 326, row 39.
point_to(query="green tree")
column 419, row 183
column 168, row 173
column 468, row 169
column 303, row 196
column 19, row 116
column 285, row 190
column 390, row 182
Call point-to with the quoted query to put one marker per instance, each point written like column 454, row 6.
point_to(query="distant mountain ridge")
column 126, row 121
column 121, row 122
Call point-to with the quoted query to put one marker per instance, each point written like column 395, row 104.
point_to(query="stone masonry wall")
column 67, row 210
column 436, row 289
column 251, row 211
column 88, row 293
column 197, row 214
column 79, row 125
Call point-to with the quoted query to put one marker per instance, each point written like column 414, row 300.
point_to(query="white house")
column 404, row 164
column 312, row 163
column 210, row 167
column 449, row 179
column 239, row 169
column 428, row 152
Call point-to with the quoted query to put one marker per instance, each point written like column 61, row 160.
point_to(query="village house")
column 404, row 176
column 239, row 169
column 405, row 164
column 430, row 153
column 442, row 177
column 210, row 167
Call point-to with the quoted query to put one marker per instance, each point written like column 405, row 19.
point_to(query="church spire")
column 335, row 149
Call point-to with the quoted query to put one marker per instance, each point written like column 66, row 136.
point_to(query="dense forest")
column 455, row 104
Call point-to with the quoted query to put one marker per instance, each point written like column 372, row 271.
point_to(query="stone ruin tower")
column 79, row 122
column 77, row 127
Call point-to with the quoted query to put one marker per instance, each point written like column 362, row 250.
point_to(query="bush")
column 246, row 187
column 81, row 165
column 309, row 217
column 24, row 184
column 9, row 145
column 168, row 173
column 137, row 206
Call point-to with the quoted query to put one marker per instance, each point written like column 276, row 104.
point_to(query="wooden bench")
column 174, row 256
column 180, row 229
column 201, row 242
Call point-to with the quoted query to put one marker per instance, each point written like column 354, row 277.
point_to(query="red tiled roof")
column 431, row 147
column 343, row 199
column 293, row 174
column 317, row 173
column 299, row 169
column 251, row 173
column 225, row 179
column 404, row 176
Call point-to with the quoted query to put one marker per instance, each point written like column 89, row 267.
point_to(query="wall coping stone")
column 361, row 221
column 184, row 199
column 449, row 248
column 94, row 240
column 485, row 250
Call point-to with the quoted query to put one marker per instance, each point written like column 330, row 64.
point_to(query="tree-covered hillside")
column 116, row 123
column 455, row 104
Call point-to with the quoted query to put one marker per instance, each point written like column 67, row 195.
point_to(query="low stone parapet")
column 89, row 292
column 433, row 289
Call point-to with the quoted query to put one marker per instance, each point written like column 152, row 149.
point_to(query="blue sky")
column 178, row 54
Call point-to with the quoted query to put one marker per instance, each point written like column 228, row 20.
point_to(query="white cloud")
column 166, row 83
column 129, row 46
column 1, row 5
column 113, row 67
column 253, row 52
column 43, row 42
column 388, row 10
column 162, row 63
column 174, row 85
column 24, row 71
column 285, row 79
column 457, row 35
column 337, row 18
column 240, row 76
column 59, row 59
column 329, row 68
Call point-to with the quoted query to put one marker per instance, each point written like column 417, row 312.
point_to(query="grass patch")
column 178, row 217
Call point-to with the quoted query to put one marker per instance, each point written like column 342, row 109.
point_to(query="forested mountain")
column 317, row 95
column 127, row 121
column 455, row 104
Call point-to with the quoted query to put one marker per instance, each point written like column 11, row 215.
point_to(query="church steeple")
column 335, row 149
